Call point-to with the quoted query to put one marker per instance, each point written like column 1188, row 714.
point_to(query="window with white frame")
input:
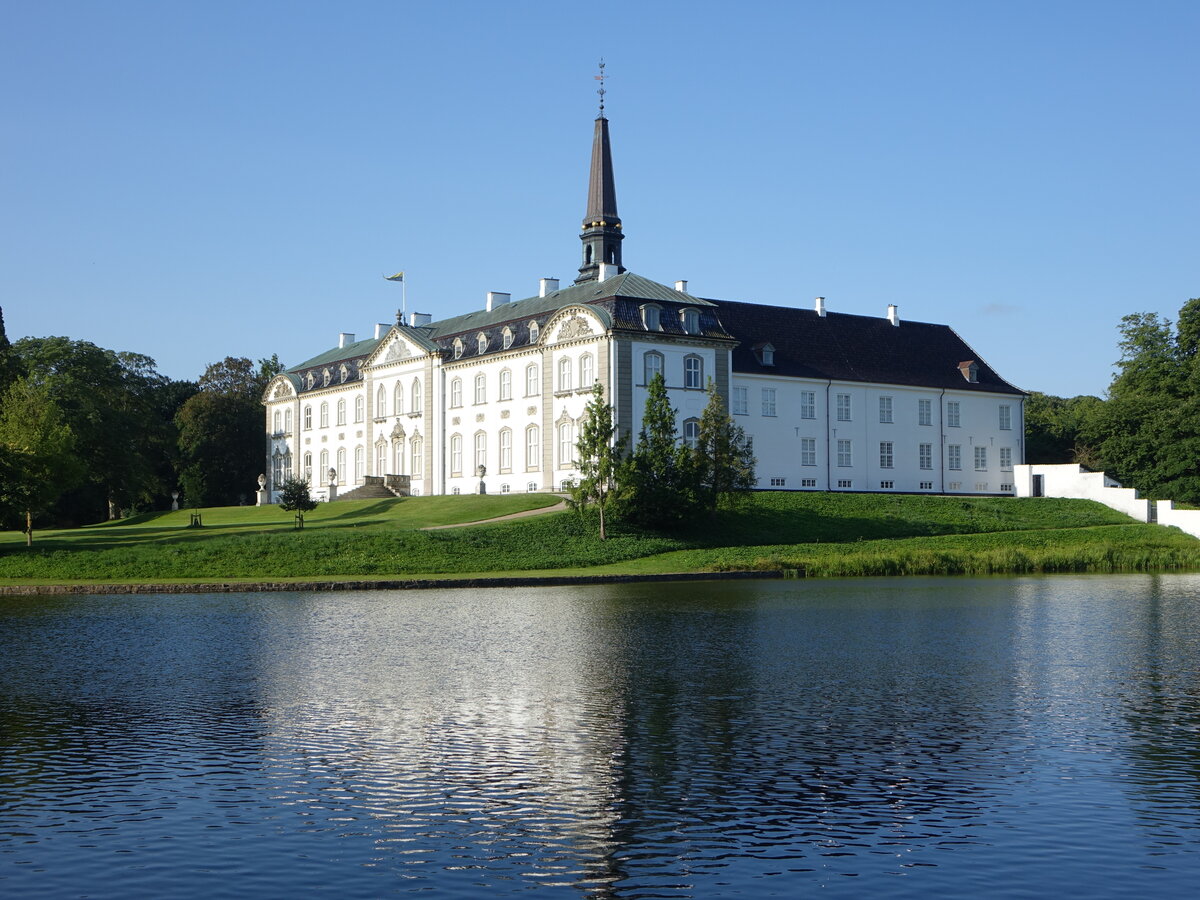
column 845, row 453
column 415, row 406
column 693, row 372
column 981, row 459
column 276, row 469
column 843, row 407
column 533, row 332
column 885, row 410
column 691, row 433
column 480, row 449
column 887, row 457
column 506, row 450
column 381, row 456
column 808, row 482
column 360, row 408
column 533, row 448
column 480, row 388
column 341, row 411
column 741, row 403
column 924, row 412
column 398, row 399
column 277, row 419
column 1006, row 459
column 455, row 393
column 768, row 401
column 360, row 464
column 955, row 486
column 418, row 457
column 324, row 415
column 505, row 384
column 307, row 418
column 566, row 444
column 808, row 451
column 777, row 481
column 308, row 467
column 845, row 483
column 458, row 348
column 481, row 343
column 456, row 454
column 808, row 404
column 1005, row 417
column 652, row 317
column 398, row 452
column 323, row 471
column 953, row 414
column 927, row 485
column 925, row 455
column 564, row 374
column 506, row 338
column 954, row 457
column 886, row 485
column 587, row 374
column 287, row 421
column 381, row 402
column 691, row 321
column 652, row 364
column 505, row 488
column 531, row 487
column 533, row 386
column 341, row 465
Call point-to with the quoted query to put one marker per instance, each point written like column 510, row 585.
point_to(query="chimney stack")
column 497, row 298
column 547, row 286
column 419, row 319
column 607, row 271
column 345, row 338
column 819, row 306
column 681, row 286
column 381, row 328
column 893, row 314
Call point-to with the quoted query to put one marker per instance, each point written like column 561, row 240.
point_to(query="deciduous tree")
column 599, row 453
column 723, row 461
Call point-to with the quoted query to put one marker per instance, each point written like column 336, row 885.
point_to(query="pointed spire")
column 602, row 234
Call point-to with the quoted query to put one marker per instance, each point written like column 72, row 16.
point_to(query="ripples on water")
column 1003, row 738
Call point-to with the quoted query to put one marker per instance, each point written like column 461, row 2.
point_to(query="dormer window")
column 652, row 317
column 326, row 377
column 765, row 354
column 691, row 321
column 507, row 338
column 970, row 370
column 309, row 380
column 458, row 348
column 481, row 343
column 344, row 373
column 533, row 332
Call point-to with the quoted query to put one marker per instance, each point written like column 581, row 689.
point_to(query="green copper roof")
column 339, row 354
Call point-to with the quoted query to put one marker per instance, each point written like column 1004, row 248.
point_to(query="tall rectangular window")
column 954, row 457
column 845, row 453
column 885, row 410
column 505, row 384
column 952, row 414
column 480, row 450
column 505, row 450
column 886, row 456
column 808, row 451
column 480, row 388
column 532, row 387
column 1006, row 459
column 533, row 447
column 808, row 404
column 693, row 372
column 456, row 454
column 925, row 454
column 981, row 459
column 1006, row 418
column 566, row 444
column 768, row 401
column 843, row 407
column 924, row 412
column 587, row 376
column 741, row 403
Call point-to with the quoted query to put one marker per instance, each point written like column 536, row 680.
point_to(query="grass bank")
column 806, row 534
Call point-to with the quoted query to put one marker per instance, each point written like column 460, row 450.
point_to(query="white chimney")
column 497, row 298
column 381, row 328
column 345, row 338
column 681, row 286
column 607, row 271
column 419, row 319
column 894, row 314
column 547, row 286
column 819, row 306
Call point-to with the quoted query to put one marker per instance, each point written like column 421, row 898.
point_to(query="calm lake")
column 883, row 738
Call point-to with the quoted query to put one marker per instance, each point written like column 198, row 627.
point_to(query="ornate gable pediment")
column 282, row 391
column 573, row 324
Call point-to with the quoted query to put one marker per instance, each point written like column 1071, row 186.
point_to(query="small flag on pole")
column 399, row 276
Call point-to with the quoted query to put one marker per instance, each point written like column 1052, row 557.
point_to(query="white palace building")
column 833, row 402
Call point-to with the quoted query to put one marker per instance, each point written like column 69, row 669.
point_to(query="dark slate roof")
column 854, row 348
column 355, row 351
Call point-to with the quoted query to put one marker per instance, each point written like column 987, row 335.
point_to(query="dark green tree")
column 599, row 453
column 658, row 484
column 8, row 365
column 1055, row 429
column 294, row 496
column 723, row 460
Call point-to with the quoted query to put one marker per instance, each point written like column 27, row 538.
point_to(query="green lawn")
column 811, row 534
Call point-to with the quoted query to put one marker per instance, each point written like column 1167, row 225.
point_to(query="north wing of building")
column 832, row 401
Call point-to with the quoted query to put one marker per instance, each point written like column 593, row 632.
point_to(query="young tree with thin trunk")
column 598, row 455
column 723, row 458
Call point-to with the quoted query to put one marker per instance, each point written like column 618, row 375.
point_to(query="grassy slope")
column 817, row 534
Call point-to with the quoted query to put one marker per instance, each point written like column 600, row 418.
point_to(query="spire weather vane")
column 600, row 78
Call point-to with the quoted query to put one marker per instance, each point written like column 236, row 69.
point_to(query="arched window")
column 341, row 465
column 323, row 469
column 326, row 377
column 506, row 337
column 458, row 348
column 399, row 451
column 566, row 444
column 380, row 402
column 456, row 393
column 480, row 449
column 481, row 388
column 564, row 374
column 533, row 448
column 308, row 467
column 278, row 420
column 324, row 415
column 287, row 421
column 693, row 372
column 381, row 457
column 415, row 406
column 587, row 376
column 418, row 456
column 533, row 386
column 308, row 417
column 456, row 454
column 360, row 408
column 481, row 343
column 652, row 317
column 360, row 464
column 691, row 321
column 398, row 399
column 691, row 433
column 341, row 411
column 506, row 450
column 533, row 332
column 287, row 463
column 505, row 384
column 652, row 365
column 343, row 373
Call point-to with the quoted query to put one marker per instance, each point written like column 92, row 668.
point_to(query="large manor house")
column 832, row 402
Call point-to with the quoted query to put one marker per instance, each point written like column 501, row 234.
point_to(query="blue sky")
column 197, row 180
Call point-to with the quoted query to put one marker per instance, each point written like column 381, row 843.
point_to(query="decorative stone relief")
column 504, row 413
column 531, row 411
column 397, row 351
column 478, row 417
column 574, row 327
column 456, row 421
column 398, row 430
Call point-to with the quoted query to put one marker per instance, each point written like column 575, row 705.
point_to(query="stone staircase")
column 377, row 487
